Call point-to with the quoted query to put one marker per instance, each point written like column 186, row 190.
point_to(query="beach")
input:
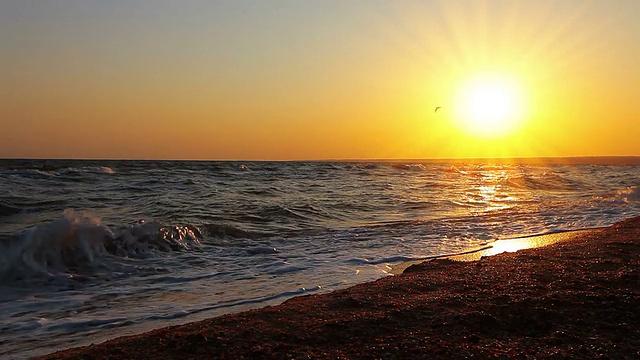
column 577, row 298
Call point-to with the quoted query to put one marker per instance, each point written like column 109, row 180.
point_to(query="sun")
column 490, row 105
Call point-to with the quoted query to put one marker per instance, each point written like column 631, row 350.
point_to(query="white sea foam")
column 78, row 243
column 52, row 249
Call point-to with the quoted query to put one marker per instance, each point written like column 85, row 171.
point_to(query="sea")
column 95, row 249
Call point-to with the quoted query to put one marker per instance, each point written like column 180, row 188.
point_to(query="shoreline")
column 574, row 298
column 499, row 246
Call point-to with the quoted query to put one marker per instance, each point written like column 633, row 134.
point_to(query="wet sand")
column 576, row 298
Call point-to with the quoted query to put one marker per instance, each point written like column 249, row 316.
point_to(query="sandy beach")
column 577, row 298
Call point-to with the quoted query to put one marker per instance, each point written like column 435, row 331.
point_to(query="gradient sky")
column 280, row 80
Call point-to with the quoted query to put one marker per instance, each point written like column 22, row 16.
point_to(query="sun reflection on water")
column 513, row 245
column 488, row 198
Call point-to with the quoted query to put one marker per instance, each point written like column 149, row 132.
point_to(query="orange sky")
column 280, row 80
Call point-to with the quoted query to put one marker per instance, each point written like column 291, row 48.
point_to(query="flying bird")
column 437, row 108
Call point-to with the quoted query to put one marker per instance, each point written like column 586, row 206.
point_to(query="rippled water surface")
column 90, row 250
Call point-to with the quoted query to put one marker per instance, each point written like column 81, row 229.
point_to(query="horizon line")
column 442, row 159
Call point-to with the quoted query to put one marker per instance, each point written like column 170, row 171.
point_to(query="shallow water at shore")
column 530, row 304
column 95, row 249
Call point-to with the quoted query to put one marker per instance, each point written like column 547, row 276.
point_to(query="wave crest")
column 80, row 244
column 409, row 167
column 544, row 181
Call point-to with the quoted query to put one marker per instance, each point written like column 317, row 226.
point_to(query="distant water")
column 90, row 250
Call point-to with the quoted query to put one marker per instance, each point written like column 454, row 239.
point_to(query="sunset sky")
column 278, row 80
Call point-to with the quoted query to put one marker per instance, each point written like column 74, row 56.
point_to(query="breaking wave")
column 79, row 245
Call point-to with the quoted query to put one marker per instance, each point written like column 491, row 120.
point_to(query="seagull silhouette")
column 437, row 108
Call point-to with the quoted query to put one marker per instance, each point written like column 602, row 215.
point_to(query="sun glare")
column 490, row 106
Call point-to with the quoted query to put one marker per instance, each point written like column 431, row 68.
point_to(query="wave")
column 79, row 244
column 357, row 166
column 87, row 169
column 280, row 211
column 235, row 303
column 50, row 171
column 302, row 211
column 260, row 191
column 630, row 194
column 455, row 170
column 16, row 204
column 407, row 259
column 410, row 167
column 32, row 174
column 417, row 204
column 8, row 209
column 544, row 181
column 227, row 230
column 497, row 167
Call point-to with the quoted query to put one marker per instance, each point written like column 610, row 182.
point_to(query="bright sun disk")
column 489, row 106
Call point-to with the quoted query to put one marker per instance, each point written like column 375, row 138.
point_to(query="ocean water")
column 91, row 250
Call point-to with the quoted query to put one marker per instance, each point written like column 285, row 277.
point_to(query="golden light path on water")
column 487, row 190
column 495, row 197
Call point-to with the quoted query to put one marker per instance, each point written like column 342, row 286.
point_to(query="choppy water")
column 91, row 250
